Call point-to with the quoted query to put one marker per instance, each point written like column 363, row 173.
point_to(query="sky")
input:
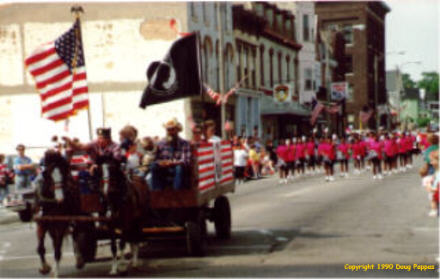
column 412, row 26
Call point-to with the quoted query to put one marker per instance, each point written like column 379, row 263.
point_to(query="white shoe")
column 327, row 178
column 285, row 181
column 281, row 181
column 380, row 176
column 433, row 213
column 346, row 175
column 374, row 177
column 341, row 174
column 332, row 178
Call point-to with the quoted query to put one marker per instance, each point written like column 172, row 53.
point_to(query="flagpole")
column 221, row 64
column 77, row 10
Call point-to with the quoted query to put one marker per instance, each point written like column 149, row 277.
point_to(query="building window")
column 350, row 92
column 308, row 80
column 271, row 67
column 204, row 11
column 348, row 34
column 193, row 9
column 280, row 79
column 306, row 35
column 348, row 64
column 288, row 79
column 262, row 65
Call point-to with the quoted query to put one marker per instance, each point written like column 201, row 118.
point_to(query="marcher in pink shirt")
column 344, row 155
column 326, row 150
column 376, row 157
column 291, row 159
column 300, row 156
column 310, row 151
column 389, row 154
column 282, row 153
column 356, row 154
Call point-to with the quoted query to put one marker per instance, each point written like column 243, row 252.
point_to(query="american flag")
column 214, row 95
column 333, row 109
column 315, row 113
column 364, row 116
column 60, row 76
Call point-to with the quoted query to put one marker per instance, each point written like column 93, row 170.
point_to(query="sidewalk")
column 8, row 217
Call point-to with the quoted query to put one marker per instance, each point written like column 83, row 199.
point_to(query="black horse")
column 126, row 205
column 56, row 196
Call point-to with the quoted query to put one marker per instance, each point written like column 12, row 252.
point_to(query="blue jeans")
column 22, row 182
column 161, row 177
column 4, row 191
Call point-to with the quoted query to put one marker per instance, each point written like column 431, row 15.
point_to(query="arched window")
column 262, row 65
column 271, row 67
column 280, row 79
column 207, row 53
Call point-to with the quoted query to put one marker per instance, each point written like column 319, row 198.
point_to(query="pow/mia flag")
column 177, row 76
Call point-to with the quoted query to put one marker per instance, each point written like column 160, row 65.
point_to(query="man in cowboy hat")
column 172, row 160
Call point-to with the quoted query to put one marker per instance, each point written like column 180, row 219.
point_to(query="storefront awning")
column 269, row 107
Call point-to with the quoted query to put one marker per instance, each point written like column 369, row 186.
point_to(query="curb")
column 7, row 217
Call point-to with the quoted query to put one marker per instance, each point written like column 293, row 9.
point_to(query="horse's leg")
column 41, row 250
column 134, row 246
column 114, row 269
column 122, row 263
column 57, row 234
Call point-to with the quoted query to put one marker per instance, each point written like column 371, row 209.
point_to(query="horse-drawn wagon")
column 166, row 213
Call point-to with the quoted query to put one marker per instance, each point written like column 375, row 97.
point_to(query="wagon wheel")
column 222, row 218
column 85, row 245
column 196, row 236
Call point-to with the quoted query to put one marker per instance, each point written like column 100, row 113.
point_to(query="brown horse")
column 56, row 195
column 127, row 204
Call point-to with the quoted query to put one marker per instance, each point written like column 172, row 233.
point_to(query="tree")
column 429, row 82
column 423, row 121
column 407, row 81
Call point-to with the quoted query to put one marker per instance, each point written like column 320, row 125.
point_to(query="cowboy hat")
column 173, row 123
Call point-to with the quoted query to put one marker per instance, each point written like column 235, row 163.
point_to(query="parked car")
column 19, row 201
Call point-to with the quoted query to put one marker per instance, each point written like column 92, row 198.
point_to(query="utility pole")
column 376, row 92
column 221, row 70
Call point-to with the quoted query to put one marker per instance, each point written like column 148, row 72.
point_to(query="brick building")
column 363, row 27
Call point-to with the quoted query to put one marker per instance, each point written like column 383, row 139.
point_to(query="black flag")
column 177, row 76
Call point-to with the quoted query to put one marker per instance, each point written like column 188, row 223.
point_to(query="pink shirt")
column 310, row 146
column 377, row 146
column 291, row 154
column 300, row 151
column 388, row 147
column 282, row 151
column 363, row 148
column 327, row 150
column 344, row 148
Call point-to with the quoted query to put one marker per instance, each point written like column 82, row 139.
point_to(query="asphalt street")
column 307, row 228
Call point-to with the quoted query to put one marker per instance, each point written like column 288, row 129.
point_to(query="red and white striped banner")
column 207, row 165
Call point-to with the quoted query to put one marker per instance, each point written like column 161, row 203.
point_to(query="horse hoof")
column 80, row 263
column 45, row 269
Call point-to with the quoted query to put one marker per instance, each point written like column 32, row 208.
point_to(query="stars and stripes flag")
column 59, row 71
column 333, row 109
column 315, row 113
column 365, row 115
